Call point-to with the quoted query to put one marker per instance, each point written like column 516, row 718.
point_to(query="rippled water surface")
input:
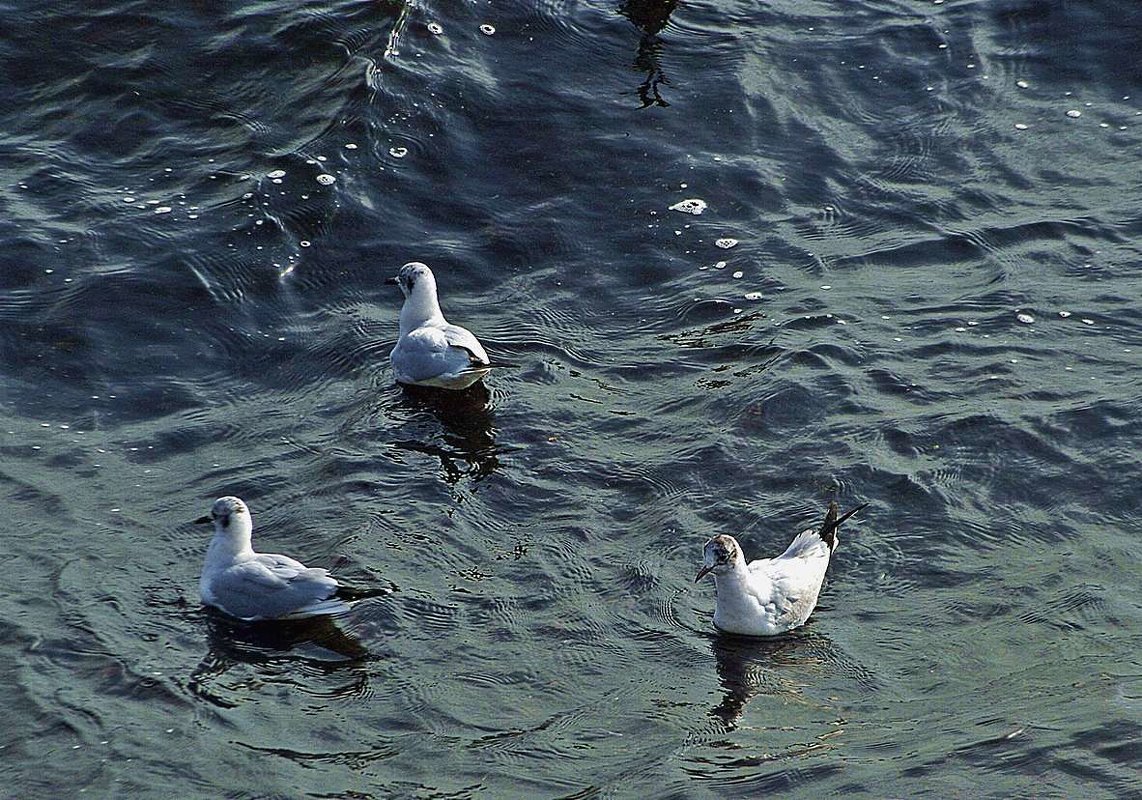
column 915, row 283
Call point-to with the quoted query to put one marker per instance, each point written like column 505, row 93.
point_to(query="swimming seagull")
column 770, row 595
column 258, row 586
column 430, row 351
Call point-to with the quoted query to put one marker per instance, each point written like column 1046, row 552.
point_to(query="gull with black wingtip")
column 770, row 596
column 259, row 586
column 431, row 351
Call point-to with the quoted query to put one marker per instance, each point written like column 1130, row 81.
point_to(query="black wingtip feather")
column 832, row 523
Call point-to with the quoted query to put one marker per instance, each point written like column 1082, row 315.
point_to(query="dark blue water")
column 931, row 306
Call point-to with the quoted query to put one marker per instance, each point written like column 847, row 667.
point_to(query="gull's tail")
column 476, row 365
column 351, row 594
column 339, row 602
column 832, row 523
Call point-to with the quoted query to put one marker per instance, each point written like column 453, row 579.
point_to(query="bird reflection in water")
column 750, row 666
column 327, row 647
column 650, row 16
column 469, row 444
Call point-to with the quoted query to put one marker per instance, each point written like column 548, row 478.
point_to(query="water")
column 932, row 306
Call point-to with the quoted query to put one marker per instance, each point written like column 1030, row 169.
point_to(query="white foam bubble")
column 694, row 205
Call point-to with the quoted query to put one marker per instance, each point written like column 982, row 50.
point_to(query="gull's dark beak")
column 204, row 520
column 703, row 572
column 392, row 281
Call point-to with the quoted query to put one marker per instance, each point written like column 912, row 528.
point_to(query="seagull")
column 258, row 586
column 430, row 351
column 770, row 595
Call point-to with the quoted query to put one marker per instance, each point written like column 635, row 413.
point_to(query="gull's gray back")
column 269, row 586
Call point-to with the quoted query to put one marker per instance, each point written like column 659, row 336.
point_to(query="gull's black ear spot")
column 407, row 278
column 724, row 550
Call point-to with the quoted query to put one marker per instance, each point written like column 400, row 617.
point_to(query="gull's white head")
column 231, row 519
column 416, row 279
column 418, row 285
column 720, row 556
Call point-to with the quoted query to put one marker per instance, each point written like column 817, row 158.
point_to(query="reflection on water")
column 468, row 436
column 326, row 647
column 651, row 17
column 748, row 667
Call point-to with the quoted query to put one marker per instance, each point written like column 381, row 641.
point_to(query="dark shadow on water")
column 750, row 666
column 267, row 644
column 468, row 433
column 650, row 16
column 257, row 641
